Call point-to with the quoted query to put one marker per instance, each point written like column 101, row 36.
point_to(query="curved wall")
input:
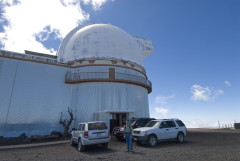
column 33, row 95
column 91, row 98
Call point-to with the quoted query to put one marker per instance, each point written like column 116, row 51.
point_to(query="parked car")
column 118, row 131
column 88, row 133
column 158, row 130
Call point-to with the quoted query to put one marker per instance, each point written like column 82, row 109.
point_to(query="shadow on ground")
column 96, row 150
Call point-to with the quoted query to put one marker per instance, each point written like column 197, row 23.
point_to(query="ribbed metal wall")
column 33, row 95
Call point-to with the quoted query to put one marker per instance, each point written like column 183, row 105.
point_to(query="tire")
column 180, row 137
column 72, row 142
column 104, row 145
column 81, row 147
column 152, row 140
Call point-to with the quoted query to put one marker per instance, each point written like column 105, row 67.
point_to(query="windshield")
column 97, row 126
column 131, row 122
column 151, row 124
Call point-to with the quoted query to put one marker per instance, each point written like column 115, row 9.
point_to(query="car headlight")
column 144, row 132
column 122, row 129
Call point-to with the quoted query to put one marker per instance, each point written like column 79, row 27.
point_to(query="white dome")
column 100, row 41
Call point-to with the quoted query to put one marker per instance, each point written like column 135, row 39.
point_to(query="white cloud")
column 163, row 99
column 204, row 93
column 28, row 23
column 95, row 3
column 163, row 112
column 200, row 124
column 227, row 83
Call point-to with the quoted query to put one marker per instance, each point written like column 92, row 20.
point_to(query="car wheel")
column 71, row 142
column 152, row 140
column 104, row 145
column 180, row 137
column 81, row 147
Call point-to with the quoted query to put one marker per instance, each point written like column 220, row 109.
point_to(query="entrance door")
column 118, row 119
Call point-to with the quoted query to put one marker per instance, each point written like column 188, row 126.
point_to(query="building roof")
column 103, row 40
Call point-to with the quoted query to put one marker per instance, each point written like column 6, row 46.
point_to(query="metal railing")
column 107, row 77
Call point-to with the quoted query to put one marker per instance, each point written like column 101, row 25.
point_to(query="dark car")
column 118, row 131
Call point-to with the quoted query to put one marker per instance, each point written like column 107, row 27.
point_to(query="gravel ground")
column 200, row 145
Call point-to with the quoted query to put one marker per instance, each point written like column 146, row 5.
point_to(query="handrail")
column 105, row 77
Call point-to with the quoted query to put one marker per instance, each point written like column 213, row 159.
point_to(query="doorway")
column 117, row 119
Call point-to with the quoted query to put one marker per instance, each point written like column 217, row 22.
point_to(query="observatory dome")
column 99, row 41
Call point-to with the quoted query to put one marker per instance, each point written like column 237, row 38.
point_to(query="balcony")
column 81, row 77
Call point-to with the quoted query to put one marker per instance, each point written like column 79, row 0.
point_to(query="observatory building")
column 98, row 73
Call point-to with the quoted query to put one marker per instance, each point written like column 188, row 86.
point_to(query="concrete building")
column 98, row 73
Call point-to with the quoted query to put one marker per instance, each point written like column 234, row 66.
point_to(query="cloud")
column 27, row 24
column 227, row 83
column 162, row 111
column 204, row 93
column 95, row 3
column 163, row 99
column 200, row 124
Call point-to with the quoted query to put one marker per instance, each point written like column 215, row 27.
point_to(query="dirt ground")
column 200, row 145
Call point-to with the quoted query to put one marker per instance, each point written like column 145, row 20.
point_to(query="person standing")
column 128, row 136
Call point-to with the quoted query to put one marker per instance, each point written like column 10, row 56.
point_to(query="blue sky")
column 195, row 65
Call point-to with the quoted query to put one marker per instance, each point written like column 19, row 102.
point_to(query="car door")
column 76, row 133
column 163, row 131
column 172, row 129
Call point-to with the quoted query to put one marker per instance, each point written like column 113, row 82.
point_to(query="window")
column 167, row 124
column 83, row 127
column 151, row 124
column 164, row 125
column 180, row 123
column 140, row 123
column 171, row 124
column 97, row 126
column 79, row 127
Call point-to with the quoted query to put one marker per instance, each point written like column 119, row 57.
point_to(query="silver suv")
column 157, row 130
column 89, row 133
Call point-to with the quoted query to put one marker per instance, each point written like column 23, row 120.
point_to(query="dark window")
column 145, row 122
column 171, row 124
column 164, row 124
column 167, row 124
column 97, row 126
column 141, row 123
column 180, row 123
column 83, row 127
column 79, row 127
column 151, row 124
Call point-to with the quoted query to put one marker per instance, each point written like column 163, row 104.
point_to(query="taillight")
column 85, row 134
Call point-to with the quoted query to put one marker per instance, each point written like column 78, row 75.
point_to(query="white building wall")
column 33, row 95
column 109, row 98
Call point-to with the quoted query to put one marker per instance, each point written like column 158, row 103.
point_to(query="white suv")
column 157, row 130
column 89, row 133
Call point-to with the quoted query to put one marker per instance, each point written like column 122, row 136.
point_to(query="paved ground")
column 200, row 145
column 32, row 145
